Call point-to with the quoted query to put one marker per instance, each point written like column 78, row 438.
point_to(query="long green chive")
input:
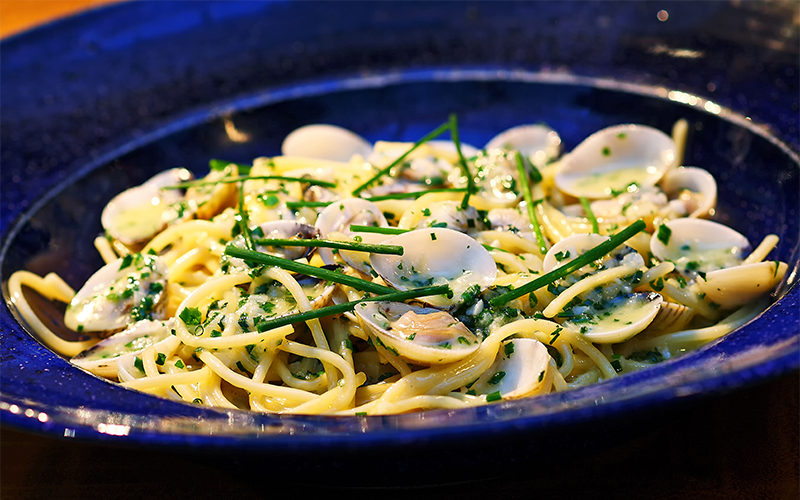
column 572, row 266
column 343, row 245
column 294, row 205
column 228, row 180
column 414, row 194
column 526, row 193
column 588, row 209
column 349, row 306
column 494, row 249
column 435, row 133
column 242, row 168
column 374, row 229
column 462, row 161
column 244, row 221
column 299, row 267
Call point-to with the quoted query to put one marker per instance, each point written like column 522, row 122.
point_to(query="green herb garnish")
column 664, row 234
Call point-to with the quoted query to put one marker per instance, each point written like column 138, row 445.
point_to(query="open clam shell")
column 698, row 245
column 436, row 256
column 621, row 319
column 569, row 248
column 611, row 159
column 421, row 335
column 129, row 288
column 612, row 312
column 360, row 260
column 518, row 370
column 339, row 215
column 101, row 359
column 694, row 187
column 740, row 285
column 285, row 229
column 327, row 142
column 137, row 214
column 539, row 143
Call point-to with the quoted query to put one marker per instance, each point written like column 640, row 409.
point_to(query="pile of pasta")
column 350, row 278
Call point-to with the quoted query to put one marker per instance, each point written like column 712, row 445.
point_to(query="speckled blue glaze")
column 95, row 104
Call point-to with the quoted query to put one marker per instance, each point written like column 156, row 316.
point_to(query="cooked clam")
column 421, row 335
column 137, row 214
column 285, row 229
column 327, row 142
column 436, row 256
column 338, row 216
column 672, row 317
column 693, row 188
column 612, row 159
column 740, row 285
column 360, row 260
column 620, row 318
column 607, row 309
column 212, row 199
column 124, row 291
column 539, row 143
column 698, row 245
column 569, row 248
column 101, row 359
column 518, row 370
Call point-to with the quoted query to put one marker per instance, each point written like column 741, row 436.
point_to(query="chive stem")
column 572, row 266
column 435, row 133
column 343, row 245
column 299, row 267
column 588, row 209
column 379, row 230
column 228, row 180
column 494, row 249
column 414, row 194
column 349, row 306
column 528, row 196
column 293, row 205
column 461, row 161
column 243, row 219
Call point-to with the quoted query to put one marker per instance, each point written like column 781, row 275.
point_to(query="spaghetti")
column 404, row 277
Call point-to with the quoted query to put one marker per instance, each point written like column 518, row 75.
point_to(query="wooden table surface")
column 741, row 445
column 19, row 15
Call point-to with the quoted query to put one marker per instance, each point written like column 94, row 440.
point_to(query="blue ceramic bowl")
column 97, row 103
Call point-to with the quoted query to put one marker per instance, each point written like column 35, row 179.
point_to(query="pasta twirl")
column 413, row 276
